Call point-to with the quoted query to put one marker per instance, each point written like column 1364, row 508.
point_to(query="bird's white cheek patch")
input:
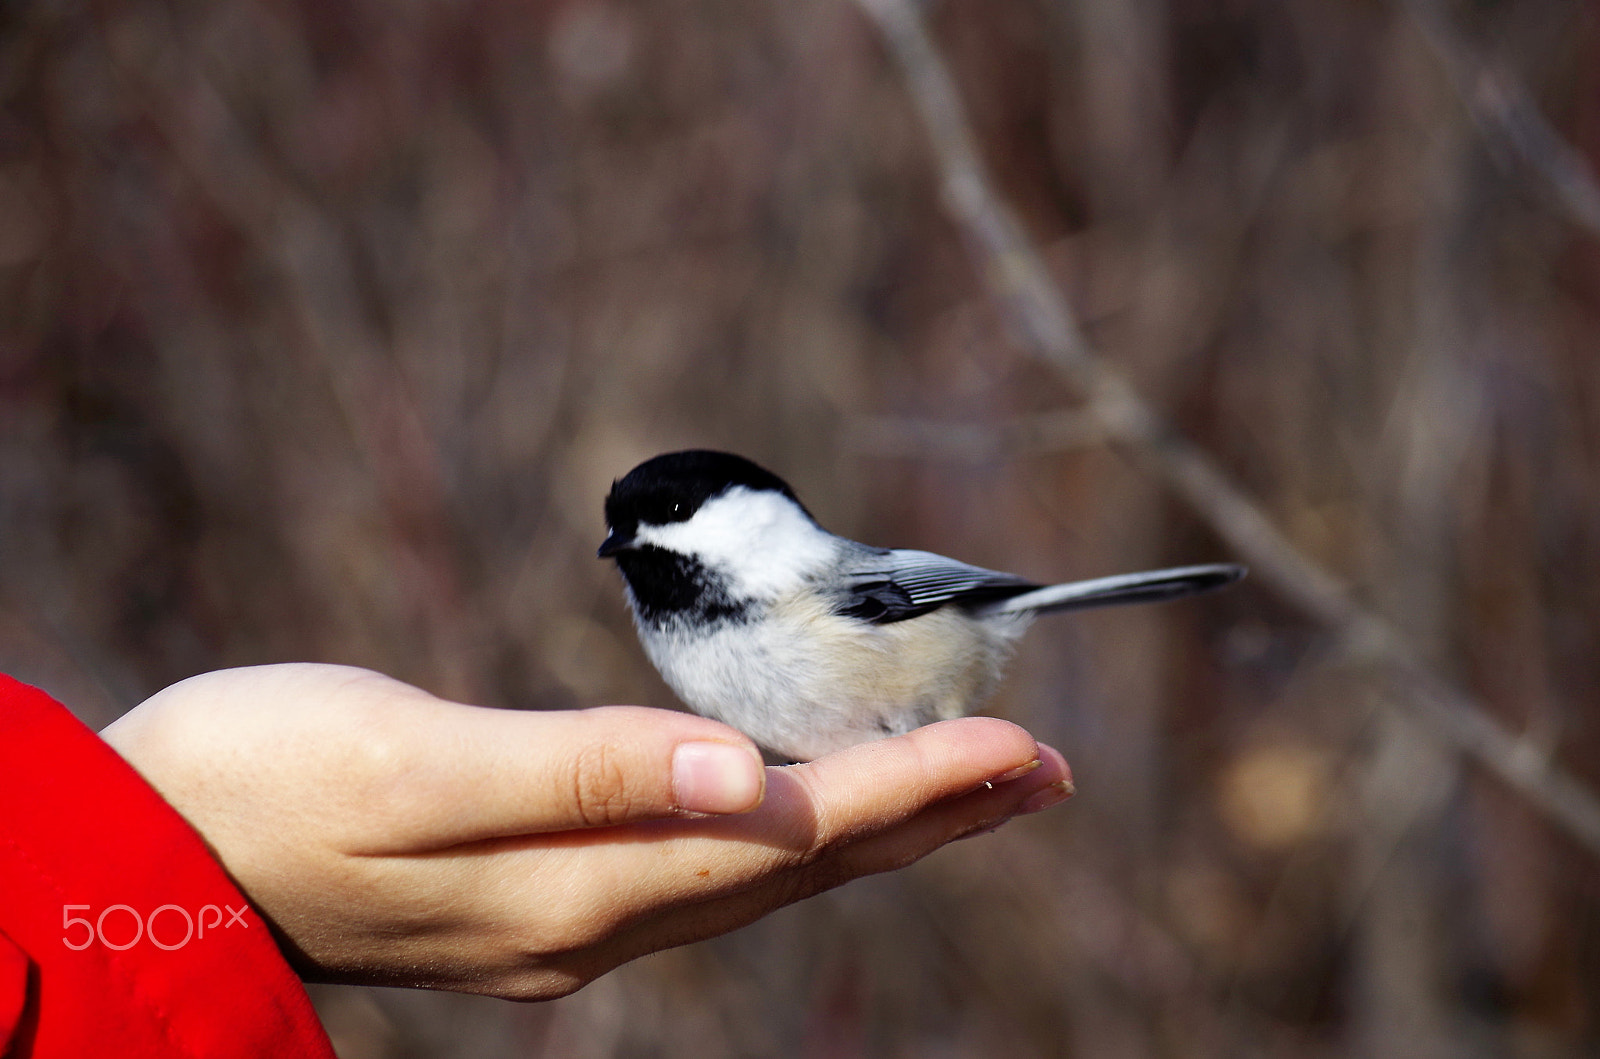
column 759, row 541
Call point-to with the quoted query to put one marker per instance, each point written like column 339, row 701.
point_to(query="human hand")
column 395, row 838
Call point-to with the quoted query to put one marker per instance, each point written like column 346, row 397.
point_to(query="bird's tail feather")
column 1149, row 586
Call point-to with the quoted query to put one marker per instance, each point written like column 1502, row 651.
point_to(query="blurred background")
column 325, row 326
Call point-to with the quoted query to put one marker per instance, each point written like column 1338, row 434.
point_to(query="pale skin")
column 396, row 838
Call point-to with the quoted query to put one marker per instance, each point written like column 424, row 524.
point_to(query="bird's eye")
column 676, row 508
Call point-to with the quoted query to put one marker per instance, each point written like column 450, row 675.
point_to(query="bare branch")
column 1035, row 306
column 1508, row 118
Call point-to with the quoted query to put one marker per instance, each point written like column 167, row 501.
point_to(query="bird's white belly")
column 802, row 681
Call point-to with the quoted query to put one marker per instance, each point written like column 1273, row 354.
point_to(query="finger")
column 844, row 796
column 905, row 842
column 704, row 907
column 981, row 811
column 810, row 810
column 465, row 774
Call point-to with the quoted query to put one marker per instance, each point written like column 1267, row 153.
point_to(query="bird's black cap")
column 671, row 487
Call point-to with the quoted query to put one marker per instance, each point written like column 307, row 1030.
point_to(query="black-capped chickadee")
column 808, row 642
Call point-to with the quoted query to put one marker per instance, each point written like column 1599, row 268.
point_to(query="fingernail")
column 1054, row 794
column 1018, row 772
column 717, row 778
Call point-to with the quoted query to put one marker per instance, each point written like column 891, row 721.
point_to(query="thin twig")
column 1508, row 119
column 1037, row 308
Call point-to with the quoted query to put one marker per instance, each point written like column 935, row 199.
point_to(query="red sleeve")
column 120, row 934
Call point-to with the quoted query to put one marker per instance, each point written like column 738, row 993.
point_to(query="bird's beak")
column 617, row 542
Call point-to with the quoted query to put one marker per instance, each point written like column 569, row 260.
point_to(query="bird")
column 809, row 642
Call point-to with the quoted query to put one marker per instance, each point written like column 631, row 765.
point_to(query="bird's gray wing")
column 892, row 585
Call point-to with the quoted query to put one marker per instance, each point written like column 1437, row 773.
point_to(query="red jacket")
column 119, row 933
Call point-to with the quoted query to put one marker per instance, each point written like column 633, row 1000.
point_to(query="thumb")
column 485, row 773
